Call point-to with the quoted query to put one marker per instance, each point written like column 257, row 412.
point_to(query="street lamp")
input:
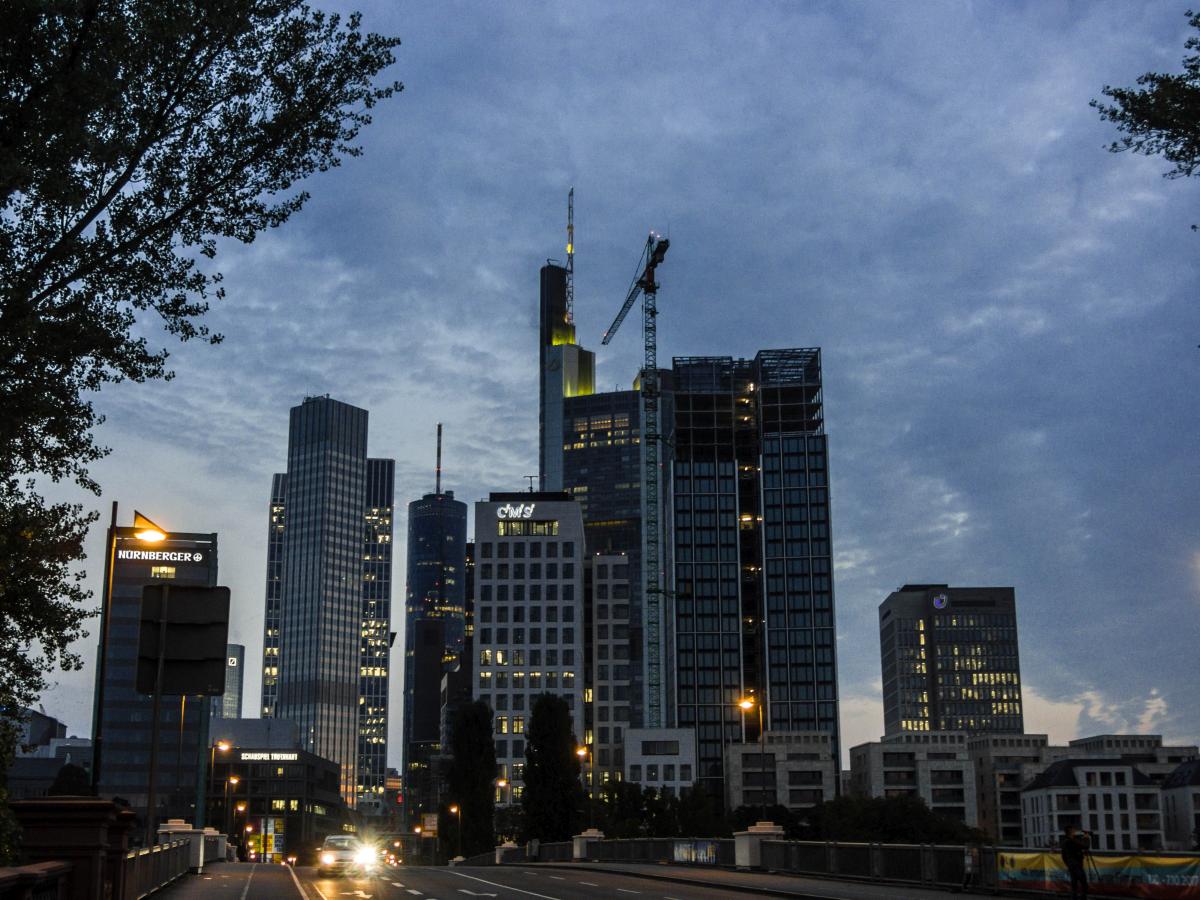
column 747, row 703
column 224, row 747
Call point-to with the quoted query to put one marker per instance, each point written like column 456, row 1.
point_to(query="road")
column 507, row 883
column 249, row 881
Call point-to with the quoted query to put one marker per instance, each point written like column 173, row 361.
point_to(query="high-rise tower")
column 328, row 593
column 753, row 572
column 950, row 660
column 434, row 629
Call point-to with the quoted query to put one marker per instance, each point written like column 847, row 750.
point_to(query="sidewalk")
column 251, row 881
column 795, row 886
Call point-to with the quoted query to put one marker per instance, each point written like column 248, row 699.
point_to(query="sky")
column 1007, row 312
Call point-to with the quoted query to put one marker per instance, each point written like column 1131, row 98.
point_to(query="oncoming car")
column 343, row 853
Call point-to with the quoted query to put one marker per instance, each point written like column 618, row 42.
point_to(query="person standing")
column 1075, row 847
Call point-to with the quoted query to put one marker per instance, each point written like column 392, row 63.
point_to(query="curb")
column 678, row 879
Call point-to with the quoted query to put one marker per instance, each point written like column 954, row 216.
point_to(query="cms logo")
column 515, row 511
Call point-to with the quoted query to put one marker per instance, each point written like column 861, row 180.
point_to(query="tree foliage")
column 554, row 797
column 135, row 136
column 471, row 776
column 888, row 820
column 1161, row 117
column 71, row 781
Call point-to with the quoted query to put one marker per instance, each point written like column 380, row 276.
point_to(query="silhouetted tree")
column 1162, row 116
column 134, row 136
column 471, row 778
column 893, row 820
column 553, row 797
column 701, row 813
column 71, row 781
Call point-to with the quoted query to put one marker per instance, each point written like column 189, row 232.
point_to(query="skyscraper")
column 435, row 628
column 329, row 574
column 950, row 661
column 126, row 716
column 565, row 370
column 753, row 573
column 229, row 704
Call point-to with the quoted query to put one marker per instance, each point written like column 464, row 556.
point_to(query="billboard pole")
column 110, row 549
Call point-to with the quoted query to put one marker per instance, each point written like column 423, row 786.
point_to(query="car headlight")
column 328, row 859
column 365, row 856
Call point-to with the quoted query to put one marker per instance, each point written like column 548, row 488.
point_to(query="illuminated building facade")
column 565, row 370
column 950, row 661
column 750, row 550
column 529, row 617
column 435, row 632
column 329, row 576
column 180, row 559
column 229, row 704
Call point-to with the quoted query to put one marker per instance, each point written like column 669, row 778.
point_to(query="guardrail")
column 150, row 868
column 904, row 863
column 556, row 851
column 480, row 859
column 44, row 881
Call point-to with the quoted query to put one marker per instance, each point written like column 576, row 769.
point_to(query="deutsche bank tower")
column 327, row 628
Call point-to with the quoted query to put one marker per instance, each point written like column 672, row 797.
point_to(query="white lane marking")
column 321, row 892
column 558, row 878
column 628, row 891
column 397, row 884
column 473, row 894
column 299, row 886
column 246, row 889
column 527, row 872
column 506, row 887
column 414, row 892
column 590, row 883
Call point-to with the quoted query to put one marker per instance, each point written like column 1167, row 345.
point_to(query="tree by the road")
column 471, row 778
column 135, row 136
column 1161, row 117
column 888, row 820
column 554, row 797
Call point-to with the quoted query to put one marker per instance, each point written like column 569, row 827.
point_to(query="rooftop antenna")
column 531, row 479
column 438, row 485
column 571, row 257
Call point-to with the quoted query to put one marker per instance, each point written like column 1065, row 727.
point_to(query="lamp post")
column 747, row 703
column 231, row 781
column 582, row 753
column 457, row 811
column 224, row 747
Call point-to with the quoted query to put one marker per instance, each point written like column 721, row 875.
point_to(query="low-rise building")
column 1110, row 798
column 1146, row 751
column 661, row 758
column 1004, row 764
column 795, row 769
column 933, row 765
column 1181, row 807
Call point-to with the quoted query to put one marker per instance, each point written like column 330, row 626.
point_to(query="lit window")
column 162, row 571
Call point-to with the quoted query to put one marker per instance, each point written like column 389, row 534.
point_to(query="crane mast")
column 645, row 285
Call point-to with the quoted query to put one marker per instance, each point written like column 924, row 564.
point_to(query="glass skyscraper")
column 326, row 664
column 435, row 627
column 950, row 661
column 565, row 369
column 750, row 549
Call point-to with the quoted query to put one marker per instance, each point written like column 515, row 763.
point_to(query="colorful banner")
column 1140, row 875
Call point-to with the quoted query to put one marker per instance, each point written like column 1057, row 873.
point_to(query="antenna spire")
column 438, row 485
column 571, row 257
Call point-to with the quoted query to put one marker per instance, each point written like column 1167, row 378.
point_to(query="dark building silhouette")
column 435, row 632
column 753, row 575
column 327, row 626
column 950, row 661
column 181, row 558
column 564, row 370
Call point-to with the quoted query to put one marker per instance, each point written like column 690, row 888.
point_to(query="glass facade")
column 435, row 630
column 753, row 585
column 331, row 574
column 127, row 715
column 229, row 704
column 950, row 660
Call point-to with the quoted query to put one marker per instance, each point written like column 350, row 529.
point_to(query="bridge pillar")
column 747, row 845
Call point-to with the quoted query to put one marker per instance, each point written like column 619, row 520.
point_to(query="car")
column 343, row 853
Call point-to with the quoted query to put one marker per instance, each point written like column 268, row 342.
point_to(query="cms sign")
column 515, row 511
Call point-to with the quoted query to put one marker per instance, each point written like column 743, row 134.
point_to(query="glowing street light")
column 748, row 703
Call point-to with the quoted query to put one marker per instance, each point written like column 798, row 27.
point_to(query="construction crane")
column 645, row 285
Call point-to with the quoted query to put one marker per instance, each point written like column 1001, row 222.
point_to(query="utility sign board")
column 189, row 627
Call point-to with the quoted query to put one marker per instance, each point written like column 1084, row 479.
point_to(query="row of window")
column 518, row 571
column 522, row 657
column 523, row 636
column 519, row 549
column 535, row 613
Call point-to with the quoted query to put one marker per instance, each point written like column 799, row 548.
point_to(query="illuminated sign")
column 162, row 555
column 233, row 662
column 275, row 756
column 939, row 602
column 518, row 511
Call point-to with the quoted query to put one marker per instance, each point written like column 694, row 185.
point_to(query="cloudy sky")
column 1007, row 313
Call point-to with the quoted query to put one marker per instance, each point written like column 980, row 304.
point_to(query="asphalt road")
column 507, row 883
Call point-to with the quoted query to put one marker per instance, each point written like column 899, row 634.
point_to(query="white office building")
column 933, row 765
column 795, row 769
column 663, row 759
column 1181, row 807
column 528, row 617
column 1110, row 798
